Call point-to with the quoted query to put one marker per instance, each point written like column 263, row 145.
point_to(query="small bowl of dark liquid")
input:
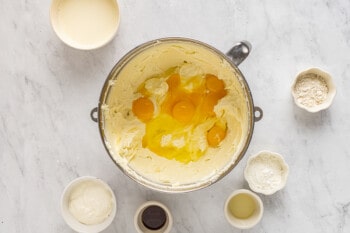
column 153, row 217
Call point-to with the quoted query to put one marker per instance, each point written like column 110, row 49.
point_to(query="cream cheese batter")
column 125, row 132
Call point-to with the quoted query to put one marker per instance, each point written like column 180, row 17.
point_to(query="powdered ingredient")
column 265, row 172
column 311, row 90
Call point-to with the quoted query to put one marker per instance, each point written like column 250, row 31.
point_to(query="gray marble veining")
column 48, row 89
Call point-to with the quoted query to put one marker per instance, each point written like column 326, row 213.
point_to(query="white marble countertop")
column 48, row 89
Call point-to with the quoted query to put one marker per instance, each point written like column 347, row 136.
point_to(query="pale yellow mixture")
column 242, row 206
column 125, row 132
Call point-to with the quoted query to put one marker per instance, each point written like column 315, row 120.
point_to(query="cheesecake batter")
column 125, row 130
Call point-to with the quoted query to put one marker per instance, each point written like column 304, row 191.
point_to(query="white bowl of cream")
column 88, row 205
column 85, row 24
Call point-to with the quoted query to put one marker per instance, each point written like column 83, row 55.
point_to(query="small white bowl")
column 248, row 222
column 266, row 172
column 72, row 221
column 85, row 25
column 330, row 95
column 140, row 228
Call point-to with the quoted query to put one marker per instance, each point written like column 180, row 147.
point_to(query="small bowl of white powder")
column 266, row 172
column 313, row 90
column 88, row 205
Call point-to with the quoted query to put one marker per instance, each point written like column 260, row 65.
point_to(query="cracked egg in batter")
column 176, row 113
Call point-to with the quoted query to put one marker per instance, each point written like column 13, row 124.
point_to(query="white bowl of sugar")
column 266, row 172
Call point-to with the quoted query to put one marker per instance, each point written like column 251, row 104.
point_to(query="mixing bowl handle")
column 93, row 114
column 258, row 113
column 239, row 52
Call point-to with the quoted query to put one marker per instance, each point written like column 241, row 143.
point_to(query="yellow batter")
column 147, row 76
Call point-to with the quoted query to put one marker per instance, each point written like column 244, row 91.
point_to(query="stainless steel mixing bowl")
column 234, row 57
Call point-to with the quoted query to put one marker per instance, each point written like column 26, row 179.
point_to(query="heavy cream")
column 85, row 23
column 125, row 132
column 90, row 202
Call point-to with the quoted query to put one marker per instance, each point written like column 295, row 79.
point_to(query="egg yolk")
column 215, row 135
column 214, row 84
column 173, row 81
column 143, row 108
column 183, row 111
column 188, row 103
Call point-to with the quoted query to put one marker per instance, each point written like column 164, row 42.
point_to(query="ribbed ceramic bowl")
column 266, row 172
column 329, row 82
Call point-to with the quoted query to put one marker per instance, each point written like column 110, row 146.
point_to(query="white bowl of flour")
column 313, row 90
column 266, row 172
